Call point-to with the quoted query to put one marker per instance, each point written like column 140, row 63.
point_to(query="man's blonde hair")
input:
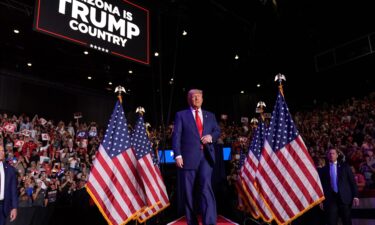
column 193, row 91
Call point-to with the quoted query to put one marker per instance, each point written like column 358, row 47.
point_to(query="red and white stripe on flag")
column 164, row 201
column 248, row 177
column 246, row 204
column 155, row 191
column 115, row 186
column 248, row 173
column 288, row 180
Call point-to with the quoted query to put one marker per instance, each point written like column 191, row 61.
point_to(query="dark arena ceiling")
column 301, row 39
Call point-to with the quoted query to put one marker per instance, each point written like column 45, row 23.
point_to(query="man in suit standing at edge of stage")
column 8, row 190
column 194, row 134
column 340, row 190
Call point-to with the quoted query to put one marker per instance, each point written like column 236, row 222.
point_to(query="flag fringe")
column 153, row 214
column 134, row 215
column 260, row 213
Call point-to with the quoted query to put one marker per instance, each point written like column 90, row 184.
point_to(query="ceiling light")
column 110, row 83
column 89, row 78
column 242, row 92
column 258, row 85
column 86, row 52
column 130, row 71
column 156, row 54
column 184, row 33
column 236, row 57
column 16, row 31
column 29, row 64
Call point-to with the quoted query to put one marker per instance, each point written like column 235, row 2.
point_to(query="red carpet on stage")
column 221, row 220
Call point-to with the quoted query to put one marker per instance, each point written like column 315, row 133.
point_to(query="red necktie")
column 199, row 123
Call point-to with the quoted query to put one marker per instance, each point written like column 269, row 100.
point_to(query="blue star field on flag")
column 281, row 130
column 140, row 140
column 243, row 156
column 258, row 140
column 116, row 138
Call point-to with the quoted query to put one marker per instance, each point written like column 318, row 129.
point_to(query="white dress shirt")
column 2, row 180
column 199, row 113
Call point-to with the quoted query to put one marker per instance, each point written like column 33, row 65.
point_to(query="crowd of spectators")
column 349, row 127
column 53, row 160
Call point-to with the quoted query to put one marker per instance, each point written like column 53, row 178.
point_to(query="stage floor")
column 221, row 220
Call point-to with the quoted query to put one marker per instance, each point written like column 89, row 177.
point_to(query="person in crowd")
column 39, row 194
column 194, row 134
column 51, row 201
column 359, row 179
column 21, row 165
column 367, row 168
column 8, row 190
column 340, row 189
column 319, row 162
column 24, row 199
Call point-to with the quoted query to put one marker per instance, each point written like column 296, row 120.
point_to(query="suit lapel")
column 205, row 121
column 327, row 171
column 339, row 171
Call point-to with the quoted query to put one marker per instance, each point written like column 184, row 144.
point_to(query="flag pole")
column 280, row 77
column 140, row 111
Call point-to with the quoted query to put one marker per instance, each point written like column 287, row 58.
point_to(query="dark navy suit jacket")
column 10, row 189
column 345, row 183
column 186, row 139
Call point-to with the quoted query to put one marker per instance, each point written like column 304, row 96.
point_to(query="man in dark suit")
column 340, row 190
column 8, row 190
column 195, row 130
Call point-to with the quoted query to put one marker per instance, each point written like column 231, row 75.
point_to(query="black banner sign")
column 112, row 26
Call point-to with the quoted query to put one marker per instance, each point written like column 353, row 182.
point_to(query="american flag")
column 247, row 204
column 114, row 184
column 287, row 178
column 249, row 170
column 155, row 190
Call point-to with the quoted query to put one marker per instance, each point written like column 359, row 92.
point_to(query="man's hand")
column 13, row 214
column 355, row 202
column 179, row 162
column 206, row 139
